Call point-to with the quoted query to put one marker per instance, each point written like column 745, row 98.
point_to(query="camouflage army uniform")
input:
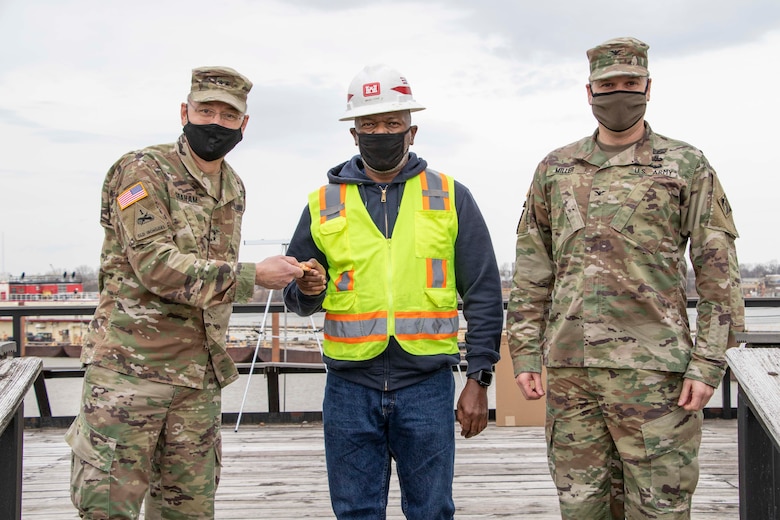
column 156, row 345
column 599, row 297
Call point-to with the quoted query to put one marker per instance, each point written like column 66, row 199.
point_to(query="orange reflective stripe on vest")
column 426, row 325
column 437, row 272
column 436, row 194
column 355, row 328
column 379, row 287
column 332, row 198
column 345, row 282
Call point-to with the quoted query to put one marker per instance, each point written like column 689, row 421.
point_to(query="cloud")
column 503, row 83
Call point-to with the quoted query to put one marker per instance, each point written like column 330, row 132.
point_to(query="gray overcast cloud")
column 85, row 81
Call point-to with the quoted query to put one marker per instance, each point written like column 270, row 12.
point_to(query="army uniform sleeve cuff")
column 530, row 363
column 705, row 372
column 245, row 282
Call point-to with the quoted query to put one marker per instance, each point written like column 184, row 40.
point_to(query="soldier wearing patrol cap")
column 599, row 297
column 150, row 418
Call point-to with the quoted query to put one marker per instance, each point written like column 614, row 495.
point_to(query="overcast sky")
column 84, row 81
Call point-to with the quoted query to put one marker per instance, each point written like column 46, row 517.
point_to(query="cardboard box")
column 512, row 409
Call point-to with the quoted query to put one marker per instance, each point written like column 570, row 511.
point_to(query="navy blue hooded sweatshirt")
column 476, row 273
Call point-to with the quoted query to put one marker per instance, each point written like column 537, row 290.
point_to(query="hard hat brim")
column 381, row 108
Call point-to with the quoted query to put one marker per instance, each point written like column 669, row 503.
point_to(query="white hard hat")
column 378, row 89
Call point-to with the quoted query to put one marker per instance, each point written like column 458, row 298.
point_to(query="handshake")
column 276, row 272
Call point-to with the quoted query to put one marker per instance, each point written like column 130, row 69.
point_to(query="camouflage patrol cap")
column 220, row 84
column 618, row 57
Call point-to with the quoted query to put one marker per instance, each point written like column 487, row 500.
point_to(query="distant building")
column 68, row 286
column 750, row 287
column 769, row 286
column 766, row 286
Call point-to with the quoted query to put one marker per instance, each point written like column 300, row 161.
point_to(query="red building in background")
column 42, row 287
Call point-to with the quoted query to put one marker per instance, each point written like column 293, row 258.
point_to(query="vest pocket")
column 335, row 240
column 339, row 301
column 434, row 234
column 442, row 297
column 335, row 225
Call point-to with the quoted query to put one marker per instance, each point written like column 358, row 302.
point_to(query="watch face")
column 483, row 377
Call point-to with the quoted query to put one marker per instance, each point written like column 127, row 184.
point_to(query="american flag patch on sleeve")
column 132, row 194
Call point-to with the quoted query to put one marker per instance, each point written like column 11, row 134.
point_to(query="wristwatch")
column 483, row 377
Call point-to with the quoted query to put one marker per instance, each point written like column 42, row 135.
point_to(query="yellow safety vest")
column 403, row 286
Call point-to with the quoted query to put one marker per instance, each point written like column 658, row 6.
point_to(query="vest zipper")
column 390, row 310
column 383, row 200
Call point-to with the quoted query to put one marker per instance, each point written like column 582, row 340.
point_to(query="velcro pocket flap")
column 670, row 431
column 90, row 445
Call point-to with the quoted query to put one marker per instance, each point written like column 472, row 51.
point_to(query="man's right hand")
column 314, row 280
column 530, row 384
column 275, row 272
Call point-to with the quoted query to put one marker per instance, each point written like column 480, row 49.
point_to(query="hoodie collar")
column 354, row 172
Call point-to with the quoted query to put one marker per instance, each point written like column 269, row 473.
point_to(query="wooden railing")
column 757, row 370
column 756, row 367
column 16, row 377
column 17, row 313
column 270, row 370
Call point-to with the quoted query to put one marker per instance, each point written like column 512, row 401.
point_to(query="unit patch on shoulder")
column 131, row 195
column 147, row 223
column 721, row 214
column 724, row 205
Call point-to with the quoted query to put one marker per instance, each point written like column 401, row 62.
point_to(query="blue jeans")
column 365, row 428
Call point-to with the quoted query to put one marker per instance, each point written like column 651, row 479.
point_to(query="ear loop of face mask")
column 600, row 111
column 211, row 141
column 383, row 152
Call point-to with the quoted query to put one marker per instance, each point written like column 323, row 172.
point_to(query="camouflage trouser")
column 135, row 438
column 610, row 427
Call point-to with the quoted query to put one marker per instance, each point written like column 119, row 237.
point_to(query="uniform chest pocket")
column 565, row 212
column 224, row 233
column 650, row 215
column 192, row 227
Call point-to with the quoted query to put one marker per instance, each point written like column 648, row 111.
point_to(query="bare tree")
column 89, row 277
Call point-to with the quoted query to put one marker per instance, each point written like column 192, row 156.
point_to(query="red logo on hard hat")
column 371, row 89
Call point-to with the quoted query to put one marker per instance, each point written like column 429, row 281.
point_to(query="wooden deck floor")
column 279, row 472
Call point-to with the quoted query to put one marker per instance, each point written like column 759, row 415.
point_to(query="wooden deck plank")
column 279, row 472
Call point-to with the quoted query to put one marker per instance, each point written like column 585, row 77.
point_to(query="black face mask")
column 383, row 152
column 211, row 142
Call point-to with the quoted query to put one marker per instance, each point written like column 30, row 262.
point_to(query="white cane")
column 462, row 383
column 260, row 336
column 317, row 337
